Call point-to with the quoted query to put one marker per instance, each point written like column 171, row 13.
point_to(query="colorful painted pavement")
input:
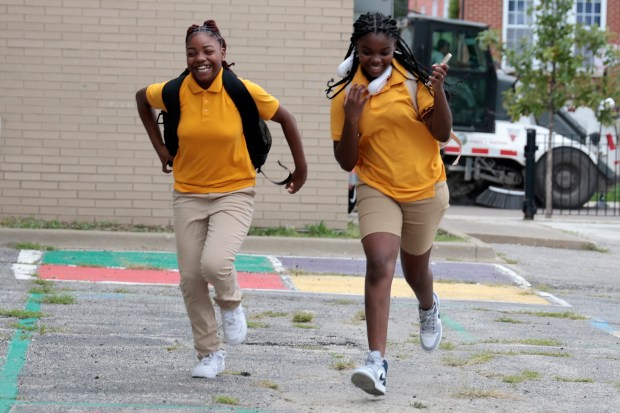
column 454, row 281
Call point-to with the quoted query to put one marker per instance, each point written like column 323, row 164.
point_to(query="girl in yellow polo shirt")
column 214, row 181
column 388, row 118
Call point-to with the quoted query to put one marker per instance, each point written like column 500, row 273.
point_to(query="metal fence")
column 585, row 174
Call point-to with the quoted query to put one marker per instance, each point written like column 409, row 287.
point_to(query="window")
column 518, row 21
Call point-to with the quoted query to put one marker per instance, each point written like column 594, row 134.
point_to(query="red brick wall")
column 613, row 18
column 483, row 11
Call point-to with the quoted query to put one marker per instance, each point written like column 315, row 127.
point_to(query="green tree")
column 553, row 70
column 453, row 9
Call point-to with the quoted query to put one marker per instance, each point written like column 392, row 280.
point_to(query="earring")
column 344, row 68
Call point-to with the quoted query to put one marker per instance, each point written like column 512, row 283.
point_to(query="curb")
column 471, row 249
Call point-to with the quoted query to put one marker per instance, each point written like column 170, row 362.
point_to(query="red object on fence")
column 610, row 142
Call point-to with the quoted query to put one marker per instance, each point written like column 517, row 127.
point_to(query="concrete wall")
column 71, row 144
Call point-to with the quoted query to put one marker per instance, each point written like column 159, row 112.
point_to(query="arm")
column 346, row 150
column 149, row 120
column 439, row 120
column 293, row 138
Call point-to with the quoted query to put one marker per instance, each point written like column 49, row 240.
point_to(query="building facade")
column 72, row 146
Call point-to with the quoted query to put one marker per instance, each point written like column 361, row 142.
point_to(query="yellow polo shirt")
column 397, row 153
column 212, row 155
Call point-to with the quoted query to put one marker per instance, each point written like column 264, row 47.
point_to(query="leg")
column 229, row 222
column 190, row 227
column 420, row 223
column 381, row 251
column 418, row 275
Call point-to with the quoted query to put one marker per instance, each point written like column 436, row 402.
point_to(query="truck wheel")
column 573, row 178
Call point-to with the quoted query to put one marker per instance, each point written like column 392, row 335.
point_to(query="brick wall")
column 71, row 144
column 483, row 11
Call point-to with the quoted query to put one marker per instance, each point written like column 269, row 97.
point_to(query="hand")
column 354, row 102
column 165, row 158
column 299, row 179
column 440, row 72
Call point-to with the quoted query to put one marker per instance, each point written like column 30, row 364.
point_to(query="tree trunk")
column 549, row 171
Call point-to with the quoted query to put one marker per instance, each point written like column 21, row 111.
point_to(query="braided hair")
column 211, row 29
column 377, row 23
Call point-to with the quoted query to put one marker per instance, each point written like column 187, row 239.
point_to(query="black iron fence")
column 585, row 174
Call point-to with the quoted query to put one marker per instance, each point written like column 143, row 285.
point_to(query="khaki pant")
column 209, row 231
column 416, row 223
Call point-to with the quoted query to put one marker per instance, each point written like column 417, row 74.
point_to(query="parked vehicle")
column 492, row 153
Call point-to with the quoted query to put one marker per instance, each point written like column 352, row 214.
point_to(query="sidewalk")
column 478, row 227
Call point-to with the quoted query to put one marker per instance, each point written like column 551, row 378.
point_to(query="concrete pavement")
column 128, row 348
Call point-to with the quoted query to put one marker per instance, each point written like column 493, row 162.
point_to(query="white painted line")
column 520, row 281
column 25, row 271
column 30, row 257
column 525, row 284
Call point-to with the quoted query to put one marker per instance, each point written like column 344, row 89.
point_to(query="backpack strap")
column 249, row 118
column 412, row 85
column 172, row 114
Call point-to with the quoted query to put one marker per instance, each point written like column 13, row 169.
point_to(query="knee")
column 379, row 269
column 211, row 267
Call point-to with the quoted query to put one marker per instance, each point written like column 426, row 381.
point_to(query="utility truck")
column 492, row 153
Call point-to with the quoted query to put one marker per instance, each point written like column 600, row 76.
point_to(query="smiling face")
column 375, row 52
column 204, row 57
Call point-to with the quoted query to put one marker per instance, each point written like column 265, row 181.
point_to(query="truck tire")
column 574, row 177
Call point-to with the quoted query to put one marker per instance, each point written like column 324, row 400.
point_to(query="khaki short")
column 416, row 223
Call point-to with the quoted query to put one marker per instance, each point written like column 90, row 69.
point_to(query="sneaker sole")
column 207, row 376
column 367, row 383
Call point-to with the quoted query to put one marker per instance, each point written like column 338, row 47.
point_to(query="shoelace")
column 428, row 320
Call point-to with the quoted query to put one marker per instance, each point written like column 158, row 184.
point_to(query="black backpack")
column 257, row 139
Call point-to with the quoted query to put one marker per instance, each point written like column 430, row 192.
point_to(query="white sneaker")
column 210, row 366
column 430, row 326
column 372, row 377
column 234, row 325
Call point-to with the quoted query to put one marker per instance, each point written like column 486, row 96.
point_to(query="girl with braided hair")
column 391, row 136
column 214, row 180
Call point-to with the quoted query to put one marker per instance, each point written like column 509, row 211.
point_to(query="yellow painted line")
column 341, row 284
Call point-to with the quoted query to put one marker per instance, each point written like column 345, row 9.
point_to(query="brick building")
column 71, row 144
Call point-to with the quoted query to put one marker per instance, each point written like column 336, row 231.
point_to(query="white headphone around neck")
column 376, row 85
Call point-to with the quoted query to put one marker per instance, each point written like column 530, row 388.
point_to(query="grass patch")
column 174, row 347
column 446, row 345
column 569, row 315
column 226, row 400
column 520, row 378
column 257, row 324
column 31, row 246
column 302, row 325
column 270, row 314
column 594, row 248
column 418, row 405
column 508, row 320
column 36, row 223
column 573, row 380
column 342, row 363
column 121, row 291
column 268, row 385
column 64, row 299
column 303, row 317
column 482, row 394
column 534, row 353
column 539, row 342
column 360, row 316
column 21, row 314
column 479, row 358
column 42, row 287
column 507, row 260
